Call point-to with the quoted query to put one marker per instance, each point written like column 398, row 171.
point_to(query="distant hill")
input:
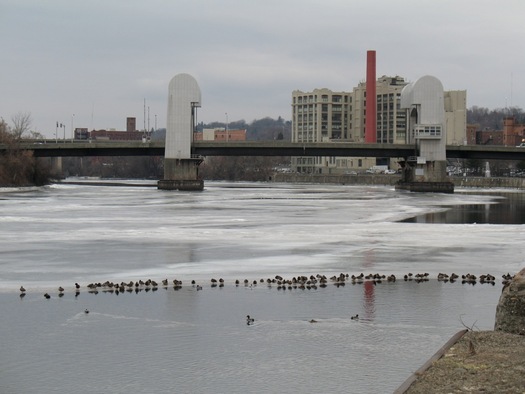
column 492, row 119
column 258, row 130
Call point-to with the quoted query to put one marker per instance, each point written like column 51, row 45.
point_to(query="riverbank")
column 391, row 180
column 479, row 361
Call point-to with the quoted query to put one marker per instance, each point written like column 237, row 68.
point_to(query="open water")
column 186, row 340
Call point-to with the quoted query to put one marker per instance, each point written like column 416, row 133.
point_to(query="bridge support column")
column 181, row 174
column 181, row 170
column 56, row 166
column 428, row 176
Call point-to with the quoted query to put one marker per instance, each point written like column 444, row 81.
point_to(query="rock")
column 510, row 312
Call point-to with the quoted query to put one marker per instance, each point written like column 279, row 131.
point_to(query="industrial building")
column 323, row 115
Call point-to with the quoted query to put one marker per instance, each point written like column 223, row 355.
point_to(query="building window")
column 427, row 131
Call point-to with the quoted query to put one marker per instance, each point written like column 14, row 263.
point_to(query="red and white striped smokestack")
column 371, row 111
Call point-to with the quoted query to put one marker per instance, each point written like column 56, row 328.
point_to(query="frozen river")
column 184, row 340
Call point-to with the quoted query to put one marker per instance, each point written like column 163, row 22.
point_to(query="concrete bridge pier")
column 56, row 166
column 181, row 174
column 181, row 171
column 425, row 176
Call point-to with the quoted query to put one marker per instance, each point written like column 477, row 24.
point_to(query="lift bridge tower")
column 426, row 129
column 181, row 171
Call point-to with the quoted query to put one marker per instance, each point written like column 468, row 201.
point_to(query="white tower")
column 426, row 129
column 184, row 96
column 180, row 169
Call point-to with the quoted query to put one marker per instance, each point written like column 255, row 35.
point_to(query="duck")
column 77, row 286
column 249, row 320
column 86, row 311
column 313, row 321
column 47, row 296
column 22, row 289
column 355, row 317
column 61, row 289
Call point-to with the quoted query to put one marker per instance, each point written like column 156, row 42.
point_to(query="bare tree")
column 4, row 129
column 21, row 123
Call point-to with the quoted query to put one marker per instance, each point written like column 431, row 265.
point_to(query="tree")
column 19, row 167
column 493, row 119
column 21, row 123
column 4, row 130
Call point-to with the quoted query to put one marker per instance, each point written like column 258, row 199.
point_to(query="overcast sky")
column 92, row 63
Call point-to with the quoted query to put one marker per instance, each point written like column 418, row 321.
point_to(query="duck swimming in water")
column 249, row 320
column 356, row 317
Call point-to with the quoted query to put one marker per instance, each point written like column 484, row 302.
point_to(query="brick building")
column 220, row 134
column 130, row 134
column 513, row 133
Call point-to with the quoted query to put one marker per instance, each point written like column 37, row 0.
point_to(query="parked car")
column 390, row 172
column 522, row 145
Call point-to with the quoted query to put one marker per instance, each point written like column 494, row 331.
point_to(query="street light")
column 226, row 126
column 72, row 130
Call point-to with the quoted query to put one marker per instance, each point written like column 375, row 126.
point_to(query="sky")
column 94, row 63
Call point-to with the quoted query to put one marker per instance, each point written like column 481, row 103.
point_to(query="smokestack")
column 370, row 130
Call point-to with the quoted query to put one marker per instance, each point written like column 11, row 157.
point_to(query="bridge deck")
column 51, row 148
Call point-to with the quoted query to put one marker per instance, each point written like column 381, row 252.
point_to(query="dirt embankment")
column 479, row 362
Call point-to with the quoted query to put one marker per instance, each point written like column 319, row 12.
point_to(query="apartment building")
column 326, row 116
column 319, row 116
column 390, row 119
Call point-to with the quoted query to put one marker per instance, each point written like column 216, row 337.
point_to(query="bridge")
column 52, row 148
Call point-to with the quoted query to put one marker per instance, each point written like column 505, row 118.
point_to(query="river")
column 180, row 339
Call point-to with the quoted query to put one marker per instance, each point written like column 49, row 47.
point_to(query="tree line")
column 492, row 119
column 18, row 167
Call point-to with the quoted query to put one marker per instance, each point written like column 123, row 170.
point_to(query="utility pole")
column 226, row 126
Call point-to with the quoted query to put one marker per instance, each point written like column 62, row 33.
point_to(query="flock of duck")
column 297, row 282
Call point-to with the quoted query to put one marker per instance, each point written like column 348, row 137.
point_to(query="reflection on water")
column 505, row 208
